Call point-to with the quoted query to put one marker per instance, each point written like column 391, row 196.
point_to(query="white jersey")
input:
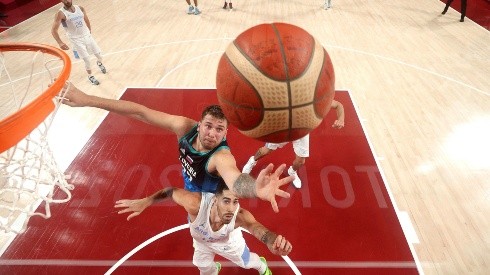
column 74, row 24
column 202, row 232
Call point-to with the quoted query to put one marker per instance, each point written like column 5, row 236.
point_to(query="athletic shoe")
column 231, row 6
column 218, row 266
column 267, row 271
column 225, row 6
column 190, row 10
column 93, row 80
column 329, row 4
column 197, row 11
column 325, row 7
column 296, row 181
column 249, row 166
column 101, row 67
column 461, row 20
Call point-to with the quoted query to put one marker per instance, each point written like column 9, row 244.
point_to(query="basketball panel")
column 240, row 102
column 325, row 89
column 273, row 121
column 297, row 46
column 305, row 117
column 260, row 45
column 303, row 88
column 273, row 93
column 284, row 135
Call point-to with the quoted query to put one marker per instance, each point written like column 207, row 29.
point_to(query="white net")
column 30, row 180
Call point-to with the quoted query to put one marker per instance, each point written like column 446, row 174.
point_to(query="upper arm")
column 191, row 201
column 177, row 124
column 180, row 125
column 85, row 17
column 57, row 21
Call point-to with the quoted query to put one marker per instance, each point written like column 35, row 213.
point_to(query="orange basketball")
column 275, row 82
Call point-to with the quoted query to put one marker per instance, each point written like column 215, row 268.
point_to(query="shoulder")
column 222, row 155
column 60, row 14
column 244, row 218
column 191, row 201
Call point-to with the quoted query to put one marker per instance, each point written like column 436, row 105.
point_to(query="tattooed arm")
column 189, row 200
column 277, row 244
column 266, row 186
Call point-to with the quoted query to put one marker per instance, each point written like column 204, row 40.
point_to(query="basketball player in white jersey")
column 301, row 148
column 75, row 21
column 214, row 221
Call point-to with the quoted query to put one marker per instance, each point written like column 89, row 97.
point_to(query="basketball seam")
column 288, row 81
column 250, row 60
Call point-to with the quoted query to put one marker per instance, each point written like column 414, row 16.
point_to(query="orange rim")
column 18, row 125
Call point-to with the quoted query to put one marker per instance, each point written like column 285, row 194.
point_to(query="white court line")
column 147, row 242
column 390, row 194
column 168, row 232
column 185, row 63
column 411, row 66
column 188, row 263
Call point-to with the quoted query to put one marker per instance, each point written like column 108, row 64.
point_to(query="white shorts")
column 84, row 46
column 301, row 146
column 236, row 251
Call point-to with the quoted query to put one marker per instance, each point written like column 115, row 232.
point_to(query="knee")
column 86, row 60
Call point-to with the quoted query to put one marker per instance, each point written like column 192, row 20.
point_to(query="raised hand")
column 74, row 97
column 268, row 185
column 281, row 246
column 339, row 124
column 134, row 206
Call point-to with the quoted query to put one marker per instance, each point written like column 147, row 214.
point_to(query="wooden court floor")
column 418, row 79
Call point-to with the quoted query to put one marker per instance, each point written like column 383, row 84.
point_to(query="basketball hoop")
column 29, row 174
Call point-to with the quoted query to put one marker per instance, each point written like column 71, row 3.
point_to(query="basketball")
column 275, row 82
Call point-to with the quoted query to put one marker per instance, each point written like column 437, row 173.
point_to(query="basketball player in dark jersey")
column 205, row 157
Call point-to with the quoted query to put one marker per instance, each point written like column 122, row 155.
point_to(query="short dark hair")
column 215, row 111
column 220, row 188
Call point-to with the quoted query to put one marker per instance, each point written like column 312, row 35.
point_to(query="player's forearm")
column 340, row 113
column 56, row 36
column 339, row 110
column 264, row 235
column 244, row 186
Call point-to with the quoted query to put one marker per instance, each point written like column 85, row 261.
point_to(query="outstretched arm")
column 265, row 187
column 54, row 30
column 177, row 124
column 190, row 201
column 277, row 244
column 339, row 109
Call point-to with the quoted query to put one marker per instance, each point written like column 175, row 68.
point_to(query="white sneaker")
column 296, row 181
column 249, row 166
column 190, row 10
